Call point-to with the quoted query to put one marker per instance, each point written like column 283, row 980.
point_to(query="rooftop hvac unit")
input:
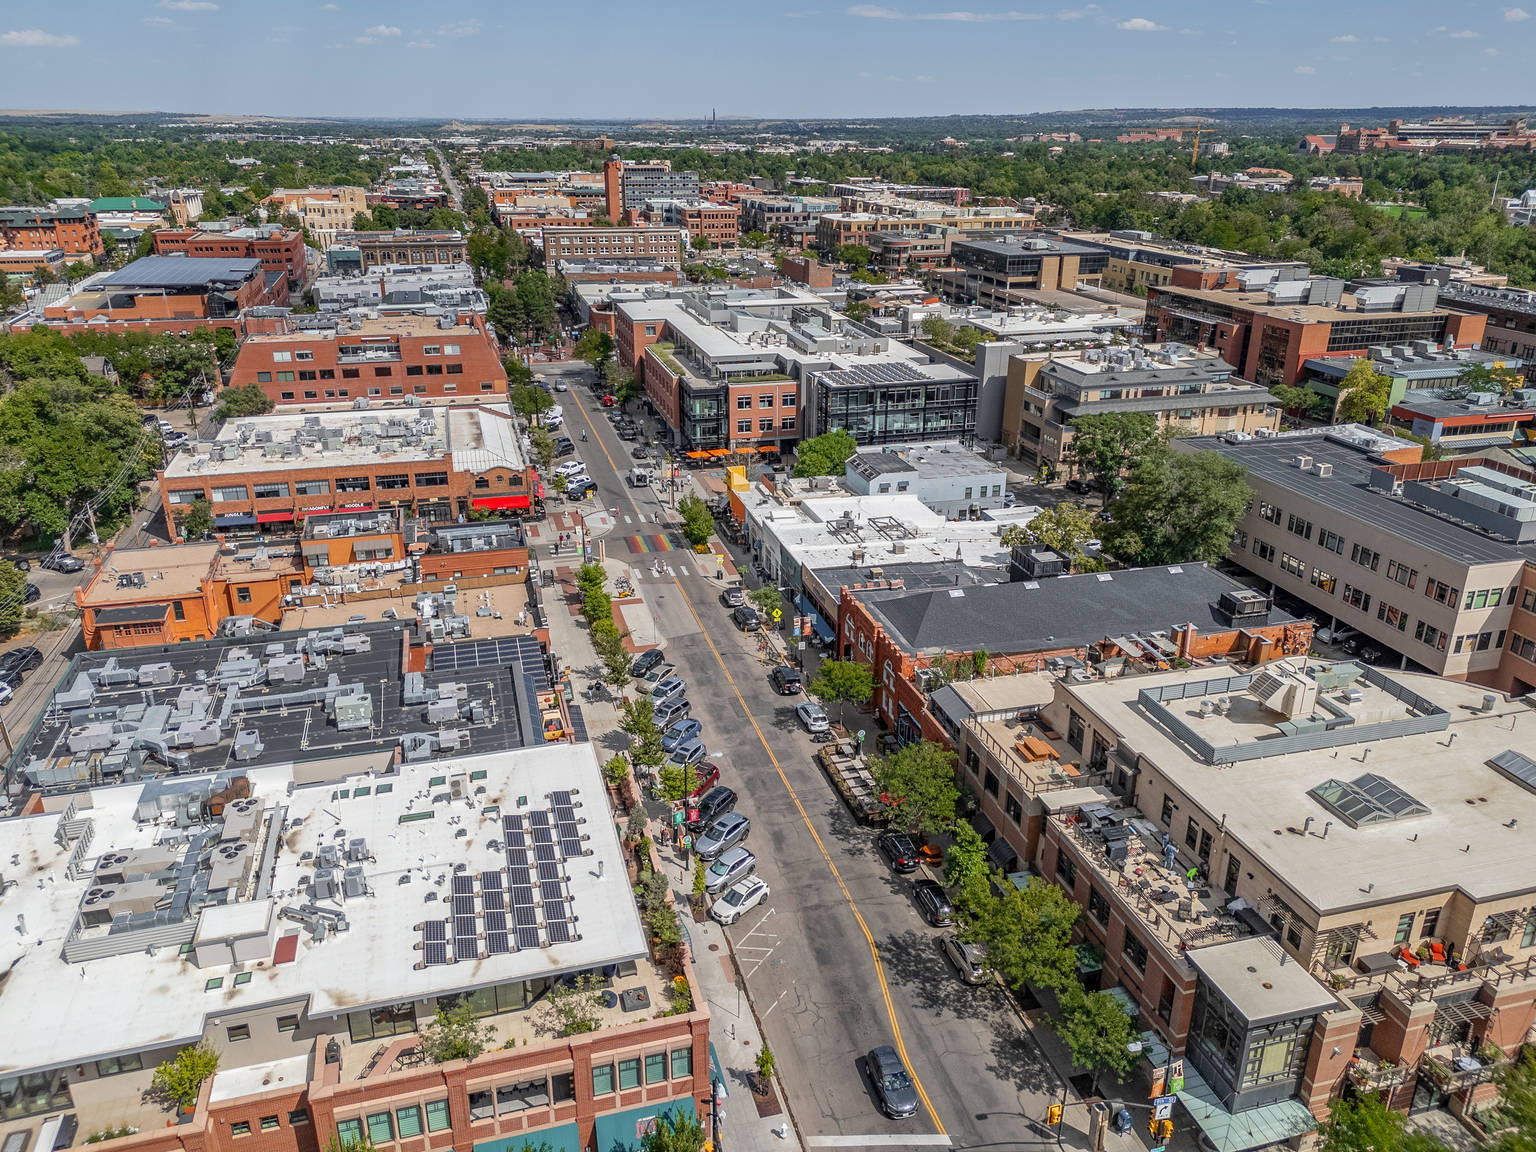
column 1282, row 690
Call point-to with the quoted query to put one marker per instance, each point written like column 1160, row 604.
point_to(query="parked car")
column 62, row 562
column 933, row 903
column 564, row 446
column 659, row 672
column 716, row 802
column 581, row 488
column 812, row 717
column 644, row 662
column 965, row 957
column 1371, row 654
column 23, row 659
column 628, row 433
column 677, row 733
column 722, row 833
column 708, row 776
column 20, row 564
column 6, row 693
column 731, row 867
column 609, row 401
column 899, row 851
column 690, row 751
column 569, row 468
column 892, row 1082
column 746, row 618
column 551, row 417
column 641, row 452
column 666, row 688
column 786, row 681
column 670, row 711
column 32, row 593
column 1009, row 500
column 562, row 386
column 738, row 899
column 733, row 596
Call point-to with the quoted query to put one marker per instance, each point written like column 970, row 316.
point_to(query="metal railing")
column 1055, row 777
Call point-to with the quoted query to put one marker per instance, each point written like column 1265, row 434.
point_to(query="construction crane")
column 1194, row 155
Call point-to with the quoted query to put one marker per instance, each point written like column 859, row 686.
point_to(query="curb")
column 757, row 1020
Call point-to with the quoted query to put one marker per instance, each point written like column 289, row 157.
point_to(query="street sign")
column 861, row 735
column 1162, row 1107
column 1176, row 1076
column 778, row 614
column 679, row 816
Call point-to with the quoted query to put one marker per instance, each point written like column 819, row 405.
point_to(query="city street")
column 838, row 960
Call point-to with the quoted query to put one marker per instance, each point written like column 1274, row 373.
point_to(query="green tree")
column 1363, row 394
column 246, row 400
column 518, row 372
column 678, row 781
column 575, row 1004
column 12, row 596
column 1295, row 398
column 842, row 682
column 596, row 348
column 966, row 338
column 1516, row 1107
column 621, row 383
column 765, row 600
column 639, row 724
column 530, row 401
column 1027, row 932
column 855, row 255
column 937, row 329
column 1486, row 378
column 856, row 310
column 179, row 1079
column 455, row 1034
column 608, row 643
column 825, row 455
column 1096, row 1030
column 754, row 239
column 698, row 520
column 765, row 1063
column 1105, row 446
column 1064, row 528
column 674, row 1131
column 917, row 785
column 198, row 521
column 542, row 442
column 1366, row 1124
column 966, row 861
column 700, row 244
column 1179, row 507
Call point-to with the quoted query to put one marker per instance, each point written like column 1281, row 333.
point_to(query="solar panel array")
column 500, row 652
column 526, row 906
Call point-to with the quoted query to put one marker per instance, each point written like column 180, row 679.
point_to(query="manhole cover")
column 714, row 947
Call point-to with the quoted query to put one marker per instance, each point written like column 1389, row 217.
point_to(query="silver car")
column 812, row 717
column 722, row 833
column 665, row 689
column 729, row 868
column 738, row 899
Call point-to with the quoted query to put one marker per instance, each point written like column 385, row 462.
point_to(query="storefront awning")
column 498, row 503
column 561, row 1138
column 697, row 455
column 622, row 1131
column 273, row 517
column 234, row 521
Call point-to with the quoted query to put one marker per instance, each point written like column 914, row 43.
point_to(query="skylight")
column 1367, row 799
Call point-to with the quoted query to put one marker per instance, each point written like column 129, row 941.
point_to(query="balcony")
column 1028, row 754
column 1368, row 1072
column 1457, row 1067
column 383, row 354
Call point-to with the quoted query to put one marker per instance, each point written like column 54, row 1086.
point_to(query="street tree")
column 639, row 724
column 966, row 861
column 825, row 455
column 518, row 372
column 1364, row 394
column 1295, row 398
column 530, row 401
column 754, row 239
column 678, row 781
column 1364, row 1123
column 1064, row 528
column 455, row 1034
column 1097, row 1031
column 1179, row 508
column 543, row 443
column 842, row 682
column 766, row 599
column 244, row 400
column 674, row 1131
column 198, row 521
column 608, row 643
column 13, row 586
column 1027, row 932
column 855, row 255
column 1106, row 446
column 596, row 348
column 698, row 521
column 936, row 328
column 917, row 786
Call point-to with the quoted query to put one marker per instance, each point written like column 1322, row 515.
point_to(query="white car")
column 552, row 416
column 561, row 386
column 739, row 899
column 570, row 468
column 6, row 692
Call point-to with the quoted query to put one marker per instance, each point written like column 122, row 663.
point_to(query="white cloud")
column 164, row 21
column 1515, row 15
column 880, row 12
column 462, row 28
column 875, row 12
column 36, row 38
column 420, row 44
column 190, row 5
column 330, row 7
column 1347, row 38
column 1305, row 70
column 381, row 30
column 364, row 40
column 1464, row 34
column 1140, row 24
column 1490, row 51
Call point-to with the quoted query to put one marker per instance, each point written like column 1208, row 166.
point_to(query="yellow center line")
column 874, row 949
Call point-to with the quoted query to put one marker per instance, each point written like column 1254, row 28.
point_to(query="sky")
column 800, row 58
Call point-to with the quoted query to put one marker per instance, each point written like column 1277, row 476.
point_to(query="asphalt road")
column 838, row 960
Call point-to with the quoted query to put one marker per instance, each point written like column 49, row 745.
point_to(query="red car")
column 709, row 776
column 610, row 401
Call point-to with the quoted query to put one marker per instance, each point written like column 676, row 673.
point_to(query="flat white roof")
column 54, row 1013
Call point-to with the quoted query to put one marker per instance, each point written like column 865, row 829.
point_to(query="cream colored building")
column 323, row 211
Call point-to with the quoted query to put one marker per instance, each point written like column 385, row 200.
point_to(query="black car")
column 786, row 680
column 645, row 662
column 892, row 1082
column 932, row 902
column 746, row 618
column 564, row 447
column 20, row 659
column 33, row 593
column 628, row 434
column 716, row 802
column 899, row 851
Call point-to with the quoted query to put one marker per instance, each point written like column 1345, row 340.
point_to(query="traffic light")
column 1164, row 1129
column 1152, row 1125
column 1053, row 1115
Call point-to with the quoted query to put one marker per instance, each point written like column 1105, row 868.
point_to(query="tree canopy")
column 825, row 455
column 243, row 400
column 1107, row 445
column 1026, row 932
column 1179, row 507
column 1363, row 394
column 917, row 785
column 698, row 520
column 1064, row 528
column 842, row 682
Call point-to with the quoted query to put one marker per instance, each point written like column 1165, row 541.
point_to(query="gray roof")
column 930, row 574
column 1348, row 491
column 870, row 464
column 132, row 614
column 1251, row 395
column 181, row 272
column 1056, row 612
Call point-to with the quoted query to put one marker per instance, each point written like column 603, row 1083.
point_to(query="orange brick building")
column 279, row 249
column 72, row 229
column 385, row 360
column 171, row 293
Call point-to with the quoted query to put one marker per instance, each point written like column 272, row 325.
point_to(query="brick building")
column 628, row 184
column 323, row 211
column 651, row 245
column 436, row 463
column 170, row 294
column 1511, row 318
column 279, row 249
column 73, row 229
column 701, row 219
column 24, row 263
column 327, row 359
column 405, row 246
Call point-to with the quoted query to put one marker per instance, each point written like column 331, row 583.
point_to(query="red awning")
column 499, row 502
column 272, row 517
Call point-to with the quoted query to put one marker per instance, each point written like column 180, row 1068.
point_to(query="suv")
column 722, row 833
column 734, row 596
column 812, row 717
column 62, row 562
column 20, row 660
column 666, row 688
column 690, row 751
column 746, row 618
column 932, row 902
column 898, row 850
column 717, row 801
column 786, row 681
column 580, row 488
column 673, row 710
column 966, row 958
column 645, row 662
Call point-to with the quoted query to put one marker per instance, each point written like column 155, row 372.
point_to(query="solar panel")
column 464, row 925
column 549, row 872
column 495, row 922
column 434, row 930
column 515, row 838
column 497, row 944
column 578, row 724
column 570, row 847
column 564, row 828
column 511, row 822
column 516, row 858
column 435, row 952
column 490, row 881
column 551, row 890
column 463, row 906
column 522, row 896
column 544, row 852
column 527, row 937
column 524, row 916
column 1518, row 767
column 538, row 820
column 500, row 652
column 521, row 877
column 467, row 948
column 493, row 901
column 463, row 885
column 559, row 931
column 560, row 799
column 554, row 909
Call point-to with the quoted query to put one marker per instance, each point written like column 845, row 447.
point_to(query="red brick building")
column 279, row 249
column 658, row 245
column 383, row 360
column 170, row 294
column 72, row 229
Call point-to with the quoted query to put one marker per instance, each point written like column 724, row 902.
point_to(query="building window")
column 1291, row 565
column 268, row 1123
column 629, row 1074
column 1331, row 541
column 1192, row 833
column 1357, row 598
column 1268, row 511
column 243, row 595
column 287, row 1023
column 1404, row 928
column 437, row 1116
column 1299, row 526
column 381, row 1128
column 743, row 402
column 1441, row 592
column 1098, row 906
column 765, row 401
column 285, row 377
column 303, row 355
column 1392, row 617
column 450, row 349
column 744, row 426
column 394, row 480
column 765, row 424
column 1430, row 635
column 1402, row 573
column 682, row 1063
column 786, row 424
column 1066, row 869
column 1263, row 549
column 178, row 611
column 1431, row 922
column 431, row 479
column 1364, row 557
column 656, row 1068
column 263, row 377
column 230, row 494
column 312, row 487
column 298, row 1118
column 352, row 484
column 787, row 400
column 990, row 784
column 1013, row 808
column 413, row 369
column 1135, row 951
column 1168, row 810
column 281, row 357
column 349, row 1132
column 117, row 1064
column 240, row 1128
column 1323, row 580
column 269, row 491
column 351, row 373
column 602, row 1079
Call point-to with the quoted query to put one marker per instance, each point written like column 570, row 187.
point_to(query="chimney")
column 1187, row 641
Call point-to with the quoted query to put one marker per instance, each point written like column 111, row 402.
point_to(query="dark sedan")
column 892, row 1082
